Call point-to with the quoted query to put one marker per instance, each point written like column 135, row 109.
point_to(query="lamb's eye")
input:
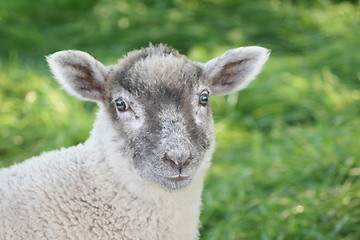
column 121, row 104
column 204, row 97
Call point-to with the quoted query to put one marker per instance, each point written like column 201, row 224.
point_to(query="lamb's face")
column 160, row 105
column 158, row 102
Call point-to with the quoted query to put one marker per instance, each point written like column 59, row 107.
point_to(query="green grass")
column 294, row 183
column 287, row 164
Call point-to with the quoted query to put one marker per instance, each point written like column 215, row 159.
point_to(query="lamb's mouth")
column 178, row 178
column 174, row 181
column 174, row 178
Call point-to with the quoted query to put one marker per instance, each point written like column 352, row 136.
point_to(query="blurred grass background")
column 287, row 164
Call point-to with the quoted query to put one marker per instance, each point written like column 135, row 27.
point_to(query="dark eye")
column 204, row 97
column 121, row 105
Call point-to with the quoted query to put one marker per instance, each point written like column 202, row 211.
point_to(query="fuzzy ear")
column 79, row 73
column 235, row 69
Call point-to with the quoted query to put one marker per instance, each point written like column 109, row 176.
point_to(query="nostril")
column 172, row 160
column 179, row 161
column 187, row 160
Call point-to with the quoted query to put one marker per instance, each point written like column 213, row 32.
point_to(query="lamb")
column 140, row 173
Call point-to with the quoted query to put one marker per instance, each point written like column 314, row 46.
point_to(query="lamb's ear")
column 79, row 73
column 234, row 69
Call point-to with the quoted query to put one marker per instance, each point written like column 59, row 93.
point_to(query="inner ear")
column 235, row 69
column 85, row 77
column 229, row 71
column 79, row 73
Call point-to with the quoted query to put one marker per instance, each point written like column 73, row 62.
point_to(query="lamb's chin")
column 175, row 183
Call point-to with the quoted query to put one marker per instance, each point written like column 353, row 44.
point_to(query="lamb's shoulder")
column 42, row 193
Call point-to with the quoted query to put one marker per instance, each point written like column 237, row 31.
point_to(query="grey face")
column 158, row 102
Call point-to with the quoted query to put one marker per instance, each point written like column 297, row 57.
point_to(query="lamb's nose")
column 178, row 161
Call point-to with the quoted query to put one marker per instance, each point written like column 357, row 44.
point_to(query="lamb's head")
column 158, row 103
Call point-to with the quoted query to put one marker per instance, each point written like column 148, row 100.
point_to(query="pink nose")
column 178, row 161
